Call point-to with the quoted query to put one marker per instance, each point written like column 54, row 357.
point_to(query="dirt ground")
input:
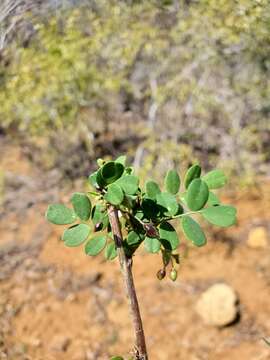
column 58, row 304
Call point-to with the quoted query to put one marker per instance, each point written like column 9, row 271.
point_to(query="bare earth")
column 58, row 304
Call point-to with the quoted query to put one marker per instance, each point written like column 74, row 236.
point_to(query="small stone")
column 60, row 343
column 35, row 342
column 218, row 305
column 258, row 238
column 79, row 355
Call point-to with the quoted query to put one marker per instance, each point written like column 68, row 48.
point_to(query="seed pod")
column 161, row 274
column 173, row 275
column 151, row 230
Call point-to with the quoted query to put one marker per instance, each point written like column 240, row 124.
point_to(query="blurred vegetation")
column 169, row 81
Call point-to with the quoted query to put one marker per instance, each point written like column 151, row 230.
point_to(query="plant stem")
column 126, row 268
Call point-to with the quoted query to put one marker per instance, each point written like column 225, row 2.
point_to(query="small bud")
column 98, row 226
column 151, row 230
column 100, row 162
column 161, row 274
column 173, row 275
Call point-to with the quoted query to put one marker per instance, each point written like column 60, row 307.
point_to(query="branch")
column 126, row 268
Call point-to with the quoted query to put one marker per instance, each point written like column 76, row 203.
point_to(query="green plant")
column 120, row 214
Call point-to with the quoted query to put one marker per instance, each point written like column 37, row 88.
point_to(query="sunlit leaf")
column 193, row 172
column 172, row 182
column 193, row 231
column 93, row 179
column 95, row 245
column 110, row 251
column 121, row 159
column 114, row 194
column 212, row 199
column 60, row 215
column 82, row 205
column 222, row 215
column 76, row 235
column 215, row 179
column 197, row 194
column 168, row 203
column 129, row 184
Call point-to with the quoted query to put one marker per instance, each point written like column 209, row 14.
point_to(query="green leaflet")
column 121, row 159
column 152, row 245
column 197, row 194
column 93, row 179
column 193, row 172
column 129, row 184
column 110, row 251
column 76, row 235
column 150, row 208
column 193, row 231
column 60, row 215
column 95, row 245
column 133, row 238
column 152, row 189
column 168, row 203
column 215, row 179
column 82, row 205
column 222, row 215
column 213, row 199
column 168, row 236
column 172, row 182
column 109, row 173
column 99, row 216
column 114, row 194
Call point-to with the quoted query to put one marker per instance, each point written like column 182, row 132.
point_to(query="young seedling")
column 120, row 214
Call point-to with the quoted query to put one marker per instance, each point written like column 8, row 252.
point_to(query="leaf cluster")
column 146, row 212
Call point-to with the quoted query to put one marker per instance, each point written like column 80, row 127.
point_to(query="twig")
column 126, row 268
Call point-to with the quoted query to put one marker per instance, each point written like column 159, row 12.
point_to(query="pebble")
column 217, row 306
column 258, row 238
column 60, row 343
